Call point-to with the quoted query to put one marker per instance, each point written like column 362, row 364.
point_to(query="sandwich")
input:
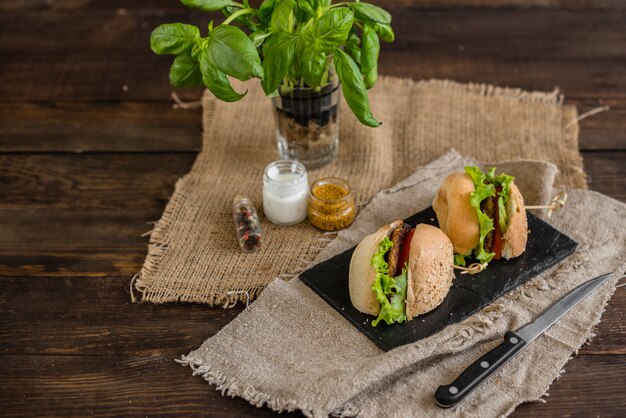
column 483, row 214
column 400, row 272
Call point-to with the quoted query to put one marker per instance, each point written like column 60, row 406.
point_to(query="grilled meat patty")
column 393, row 255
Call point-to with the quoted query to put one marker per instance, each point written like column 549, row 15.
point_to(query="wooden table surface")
column 90, row 149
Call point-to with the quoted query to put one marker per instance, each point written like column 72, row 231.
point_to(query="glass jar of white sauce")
column 285, row 192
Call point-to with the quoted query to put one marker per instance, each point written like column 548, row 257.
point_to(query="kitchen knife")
column 448, row 395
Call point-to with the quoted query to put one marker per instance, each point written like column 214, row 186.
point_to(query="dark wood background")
column 90, row 149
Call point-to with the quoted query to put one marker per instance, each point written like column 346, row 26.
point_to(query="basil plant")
column 287, row 43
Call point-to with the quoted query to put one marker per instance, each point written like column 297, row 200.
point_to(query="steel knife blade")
column 449, row 395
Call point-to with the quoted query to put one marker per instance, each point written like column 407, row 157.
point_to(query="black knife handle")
column 448, row 395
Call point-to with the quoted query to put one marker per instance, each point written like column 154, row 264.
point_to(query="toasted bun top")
column 431, row 270
column 363, row 274
column 516, row 234
column 456, row 217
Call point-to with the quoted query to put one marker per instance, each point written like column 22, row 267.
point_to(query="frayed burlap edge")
column 159, row 236
column 571, row 165
column 233, row 388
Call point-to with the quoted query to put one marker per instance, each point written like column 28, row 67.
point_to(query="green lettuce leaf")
column 378, row 260
column 503, row 181
column 485, row 185
column 390, row 291
column 486, row 225
column 503, row 217
column 459, row 260
column 393, row 311
column 482, row 190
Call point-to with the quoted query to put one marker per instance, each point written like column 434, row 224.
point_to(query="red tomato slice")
column 404, row 252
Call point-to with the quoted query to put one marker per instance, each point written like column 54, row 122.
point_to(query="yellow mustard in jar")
column 331, row 204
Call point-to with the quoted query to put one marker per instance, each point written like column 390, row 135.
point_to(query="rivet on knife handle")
column 448, row 395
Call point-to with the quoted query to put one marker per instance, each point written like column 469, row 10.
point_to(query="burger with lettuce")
column 400, row 272
column 483, row 214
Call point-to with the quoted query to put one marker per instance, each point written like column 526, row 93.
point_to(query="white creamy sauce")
column 282, row 202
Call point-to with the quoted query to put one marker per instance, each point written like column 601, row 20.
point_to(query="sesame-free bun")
column 456, row 217
column 430, row 270
column 459, row 221
column 363, row 274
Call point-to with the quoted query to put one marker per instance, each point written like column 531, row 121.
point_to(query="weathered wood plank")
column 115, row 182
column 503, row 33
column 89, row 126
column 66, row 214
column 140, row 386
column 156, row 127
column 64, row 310
column 589, row 387
column 74, row 5
column 117, row 77
column 607, row 173
column 67, row 242
column 110, row 386
column 605, row 130
column 479, row 46
column 94, row 316
column 83, row 215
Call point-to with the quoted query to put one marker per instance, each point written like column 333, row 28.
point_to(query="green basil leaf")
column 308, row 7
column 245, row 20
column 353, row 38
column 353, row 46
column 208, row 5
column 313, row 64
column 295, row 71
column 366, row 12
column 233, row 53
column 216, row 81
column 281, row 15
column 185, row 72
column 257, row 37
column 369, row 55
column 173, row 38
column 353, row 88
column 278, row 51
column 355, row 53
column 333, row 27
column 384, row 32
column 265, row 11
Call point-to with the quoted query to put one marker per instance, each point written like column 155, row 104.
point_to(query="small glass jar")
column 247, row 225
column 331, row 204
column 285, row 192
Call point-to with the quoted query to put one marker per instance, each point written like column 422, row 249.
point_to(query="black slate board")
column 469, row 293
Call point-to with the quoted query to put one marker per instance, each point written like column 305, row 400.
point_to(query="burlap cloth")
column 290, row 350
column 193, row 254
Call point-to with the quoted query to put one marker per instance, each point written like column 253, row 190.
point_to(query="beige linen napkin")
column 290, row 350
